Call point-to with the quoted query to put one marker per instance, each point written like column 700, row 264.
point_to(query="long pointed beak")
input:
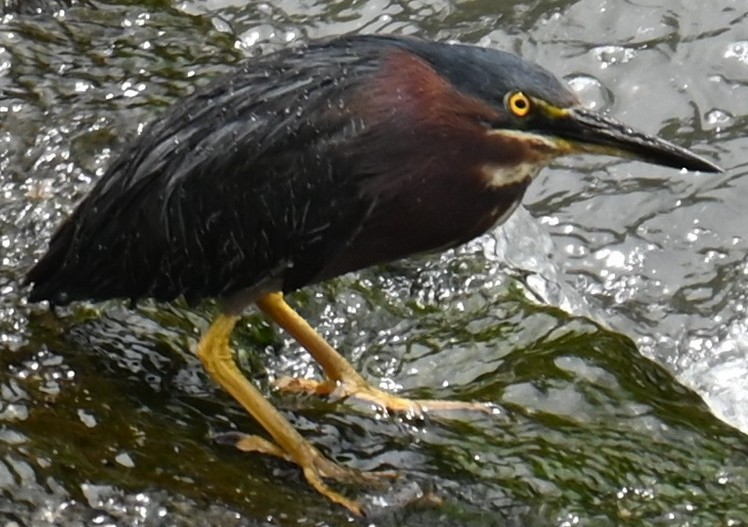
column 590, row 132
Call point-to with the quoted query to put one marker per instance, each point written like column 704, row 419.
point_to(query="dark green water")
column 598, row 323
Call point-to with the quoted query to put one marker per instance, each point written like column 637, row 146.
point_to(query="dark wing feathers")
column 241, row 182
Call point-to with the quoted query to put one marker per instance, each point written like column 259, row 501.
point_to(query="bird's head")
column 540, row 116
column 560, row 128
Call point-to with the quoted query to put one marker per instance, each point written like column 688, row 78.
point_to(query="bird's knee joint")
column 215, row 355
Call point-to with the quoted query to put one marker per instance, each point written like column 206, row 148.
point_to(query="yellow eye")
column 519, row 104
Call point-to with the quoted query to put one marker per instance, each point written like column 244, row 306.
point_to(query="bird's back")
column 230, row 188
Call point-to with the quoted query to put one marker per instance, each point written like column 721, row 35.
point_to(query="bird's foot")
column 315, row 466
column 362, row 391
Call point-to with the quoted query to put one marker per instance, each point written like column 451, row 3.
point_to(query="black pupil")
column 520, row 103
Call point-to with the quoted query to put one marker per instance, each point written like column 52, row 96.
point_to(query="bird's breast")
column 417, row 218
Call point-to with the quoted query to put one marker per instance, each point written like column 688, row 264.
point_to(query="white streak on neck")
column 543, row 150
column 504, row 176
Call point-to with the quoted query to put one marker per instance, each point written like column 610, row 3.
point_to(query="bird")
column 314, row 161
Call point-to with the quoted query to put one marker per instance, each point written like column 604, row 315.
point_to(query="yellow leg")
column 341, row 379
column 215, row 354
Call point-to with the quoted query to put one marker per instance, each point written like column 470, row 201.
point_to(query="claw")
column 315, row 466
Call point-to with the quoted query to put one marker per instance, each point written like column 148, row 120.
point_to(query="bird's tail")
column 49, row 275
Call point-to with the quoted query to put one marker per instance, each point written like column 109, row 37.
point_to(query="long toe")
column 252, row 443
column 316, row 467
column 414, row 408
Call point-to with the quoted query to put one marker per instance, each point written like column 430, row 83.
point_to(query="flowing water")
column 606, row 321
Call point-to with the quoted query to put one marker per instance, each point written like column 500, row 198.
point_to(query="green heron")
column 308, row 163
